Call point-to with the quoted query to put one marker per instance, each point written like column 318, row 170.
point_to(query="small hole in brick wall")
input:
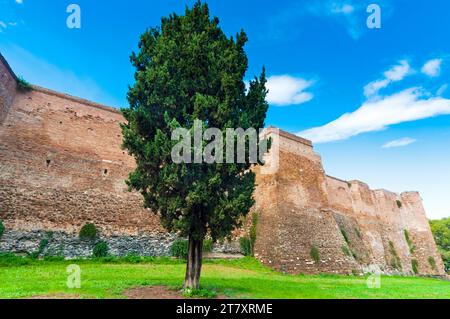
column 60, row 122
column 48, row 162
column 105, row 172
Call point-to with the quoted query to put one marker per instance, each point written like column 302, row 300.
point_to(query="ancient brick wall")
column 381, row 223
column 61, row 166
column 354, row 228
column 7, row 88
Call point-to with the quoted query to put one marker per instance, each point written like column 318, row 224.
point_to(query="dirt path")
column 156, row 292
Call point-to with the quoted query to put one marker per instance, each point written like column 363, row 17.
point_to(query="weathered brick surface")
column 61, row 166
column 351, row 225
column 7, row 88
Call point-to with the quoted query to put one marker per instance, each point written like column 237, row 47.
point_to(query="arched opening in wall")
column 48, row 162
column 105, row 172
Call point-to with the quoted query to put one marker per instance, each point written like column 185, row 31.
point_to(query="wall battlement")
column 61, row 166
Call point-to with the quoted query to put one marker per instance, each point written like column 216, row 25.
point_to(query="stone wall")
column 61, row 166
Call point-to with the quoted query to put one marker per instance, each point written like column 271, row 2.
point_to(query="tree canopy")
column 441, row 233
column 186, row 70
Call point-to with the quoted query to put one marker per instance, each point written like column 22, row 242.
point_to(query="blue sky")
column 374, row 101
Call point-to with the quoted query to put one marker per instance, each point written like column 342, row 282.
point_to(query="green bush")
column 314, row 253
column 246, row 245
column 42, row 244
column 344, row 233
column 399, row 204
column 207, row 245
column 395, row 259
column 10, row 260
column 415, row 266
column 88, row 232
column 432, row 262
column 180, row 248
column 2, row 228
column 446, row 259
column 54, row 258
column 100, row 249
column 199, row 293
column 358, row 233
column 346, row 251
column 410, row 243
column 23, row 85
column 441, row 233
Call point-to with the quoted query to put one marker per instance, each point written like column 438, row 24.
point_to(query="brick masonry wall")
column 355, row 229
column 377, row 220
column 7, row 88
column 61, row 166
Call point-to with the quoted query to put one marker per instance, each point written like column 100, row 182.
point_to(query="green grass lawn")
column 244, row 278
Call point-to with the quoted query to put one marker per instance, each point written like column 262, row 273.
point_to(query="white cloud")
column 375, row 115
column 400, row 142
column 441, row 89
column 344, row 13
column 288, row 90
column 19, row 1
column 40, row 72
column 394, row 74
column 432, row 68
column 3, row 25
column 342, row 8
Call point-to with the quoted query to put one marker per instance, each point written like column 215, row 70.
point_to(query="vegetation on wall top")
column 23, row 85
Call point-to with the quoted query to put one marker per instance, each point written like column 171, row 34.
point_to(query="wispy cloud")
column 288, row 90
column 441, row 89
column 343, row 8
column 343, row 12
column 395, row 73
column 19, row 1
column 375, row 115
column 349, row 14
column 432, row 68
column 400, row 142
column 40, row 72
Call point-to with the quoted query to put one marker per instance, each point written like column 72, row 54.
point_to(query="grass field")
column 244, row 278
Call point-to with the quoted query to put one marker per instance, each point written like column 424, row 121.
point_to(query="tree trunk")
column 194, row 264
